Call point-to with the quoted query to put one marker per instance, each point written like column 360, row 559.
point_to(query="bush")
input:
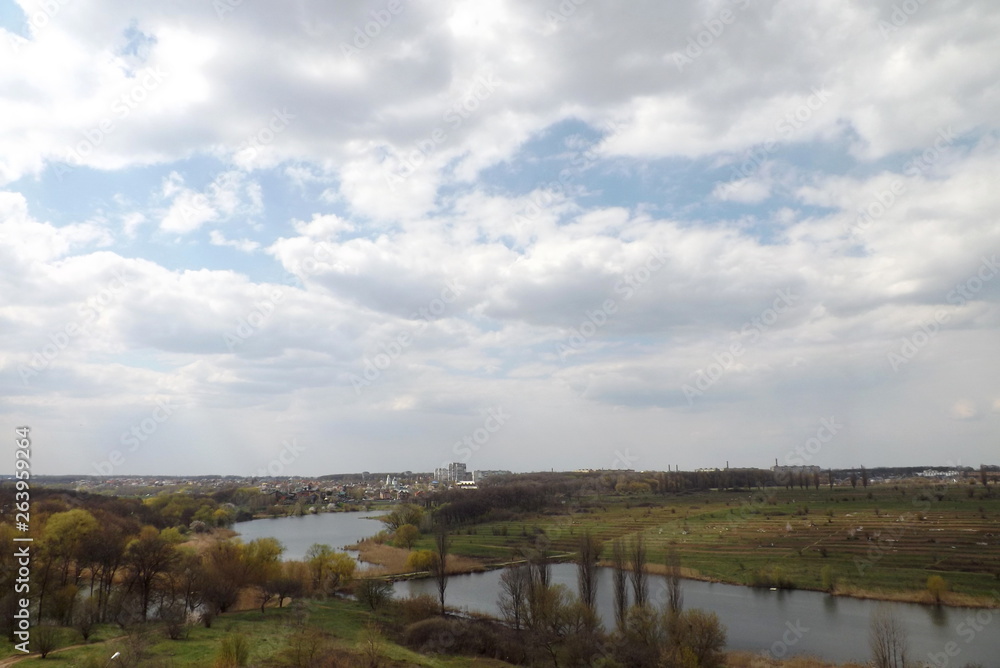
column 455, row 636
column 306, row 648
column 44, row 639
column 937, row 586
column 420, row 560
column 417, row 608
column 426, row 635
column 234, row 652
column 698, row 635
column 373, row 592
column 771, row 576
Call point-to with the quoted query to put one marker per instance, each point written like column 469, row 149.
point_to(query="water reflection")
column 832, row 628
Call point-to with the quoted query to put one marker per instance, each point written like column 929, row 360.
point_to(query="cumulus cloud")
column 589, row 214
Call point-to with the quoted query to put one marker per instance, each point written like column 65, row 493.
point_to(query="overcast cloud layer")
column 311, row 237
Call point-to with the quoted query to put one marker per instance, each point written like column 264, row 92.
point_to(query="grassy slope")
column 268, row 633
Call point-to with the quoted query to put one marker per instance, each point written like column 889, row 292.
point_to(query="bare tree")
column 675, row 597
column 887, row 639
column 589, row 553
column 640, row 580
column 515, row 582
column 619, row 583
column 439, row 566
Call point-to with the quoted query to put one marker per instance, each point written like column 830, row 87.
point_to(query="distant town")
column 335, row 490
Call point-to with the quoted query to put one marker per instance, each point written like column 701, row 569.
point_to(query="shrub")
column 420, row 560
column 234, row 652
column 937, row 586
column 417, row 608
column 373, row 592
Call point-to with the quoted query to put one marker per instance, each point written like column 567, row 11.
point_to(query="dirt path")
column 11, row 660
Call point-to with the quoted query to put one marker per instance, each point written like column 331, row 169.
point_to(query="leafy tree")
column 284, row 586
column 696, row 635
column 937, row 586
column 147, row 558
column 406, row 513
column 223, row 574
column 330, row 570
column 406, row 536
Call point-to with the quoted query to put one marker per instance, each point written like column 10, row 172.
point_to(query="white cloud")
column 810, row 116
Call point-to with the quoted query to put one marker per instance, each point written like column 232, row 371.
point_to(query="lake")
column 784, row 623
column 297, row 534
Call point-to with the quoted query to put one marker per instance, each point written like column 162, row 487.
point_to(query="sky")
column 304, row 238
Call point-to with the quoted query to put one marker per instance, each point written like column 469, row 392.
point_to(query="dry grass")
column 751, row 660
column 923, row 597
column 391, row 560
column 201, row 541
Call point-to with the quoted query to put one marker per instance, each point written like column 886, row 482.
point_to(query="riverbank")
column 391, row 562
column 883, row 542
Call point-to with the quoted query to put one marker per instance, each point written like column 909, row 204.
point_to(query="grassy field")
column 339, row 621
column 883, row 541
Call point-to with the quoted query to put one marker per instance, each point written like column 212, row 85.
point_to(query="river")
column 297, row 534
column 784, row 623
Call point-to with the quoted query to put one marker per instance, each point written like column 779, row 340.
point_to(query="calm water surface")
column 829, row 627
column 784, row 623
column 298, row 533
